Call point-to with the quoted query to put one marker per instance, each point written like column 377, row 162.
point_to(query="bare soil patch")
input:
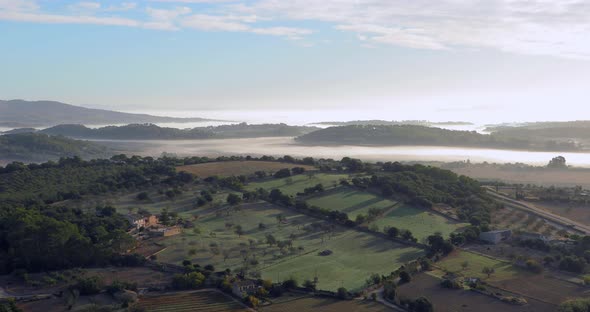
column 450, row 300
column 327, row 305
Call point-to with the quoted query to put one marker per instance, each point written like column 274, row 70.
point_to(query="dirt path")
column 563, row 221
column 384, row 302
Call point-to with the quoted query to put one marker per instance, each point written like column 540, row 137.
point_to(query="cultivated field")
column 351, row 201
column 420, row 222
column 355, row 255
column 235, row 168
column 503, row 270
column 545, row 177
column 509, row 218
column 209, row 301
column 325, row 304
column 451, row 300
column 579, row 213
column 298, row 183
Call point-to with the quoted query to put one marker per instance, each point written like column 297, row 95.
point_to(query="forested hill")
column 374, row 122
column 420, row 135
column 41, row 147
column 20, row 113
column 562, row 132
column 153, row 132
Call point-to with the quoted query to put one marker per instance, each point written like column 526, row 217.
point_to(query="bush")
column 404, row 277
column 283, row 173
column 342, row 293
column 190, row 280
column 534, row 266
column 89, row 286
column 578, row 305
column 450, row 284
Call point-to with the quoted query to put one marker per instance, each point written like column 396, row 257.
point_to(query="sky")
column 480, row 60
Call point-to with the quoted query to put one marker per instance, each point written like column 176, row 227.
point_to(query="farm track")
column 562, row 221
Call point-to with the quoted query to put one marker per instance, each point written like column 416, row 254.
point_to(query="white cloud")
column 18, row 5
column 543, row 27
column 66, row 19
column 85, row 6
column 558, row 28
column 124, row 6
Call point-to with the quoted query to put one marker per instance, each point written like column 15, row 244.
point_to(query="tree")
column 422, row 304
column 558, row 162
column 392, row 232
column 282, row 173
column 143, row 196
column 405, row 277
column 488, row 271
column 309, row 285
column 233, row 199
column 239, row 230
column 270, row 240
column 342, row 293
column 464, row 265
column 190, row 280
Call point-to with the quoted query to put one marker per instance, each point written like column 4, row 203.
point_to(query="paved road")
column 563, row 221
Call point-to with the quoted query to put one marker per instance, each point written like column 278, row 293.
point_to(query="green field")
column 351, row 201
column 298, row 183
column 355, row 257
column 420, row 222
column 503, row 270
column 214, row 231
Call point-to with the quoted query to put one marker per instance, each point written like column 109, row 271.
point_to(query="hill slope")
column 31, row 147
column 20, row 113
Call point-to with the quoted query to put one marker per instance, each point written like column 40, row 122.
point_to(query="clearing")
column 298, row 183
column 420, row 222
column 475, row 263
column 355, row 256
column 351, row 201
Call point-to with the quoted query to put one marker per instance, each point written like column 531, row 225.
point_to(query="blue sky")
column 505, row 59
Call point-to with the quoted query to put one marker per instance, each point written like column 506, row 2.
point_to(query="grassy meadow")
column 420, row 222
column 295, row 184
column 351, row 201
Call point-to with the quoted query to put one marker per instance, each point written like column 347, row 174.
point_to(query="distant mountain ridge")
column 378, row 122
column 21, row 114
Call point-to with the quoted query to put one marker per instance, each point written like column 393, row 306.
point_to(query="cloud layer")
column 538, row 27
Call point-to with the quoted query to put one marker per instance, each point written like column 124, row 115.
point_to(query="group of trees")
column 37, row 234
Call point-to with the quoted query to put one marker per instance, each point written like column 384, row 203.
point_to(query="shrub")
column 89, row 286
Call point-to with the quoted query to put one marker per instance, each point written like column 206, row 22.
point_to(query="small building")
column 165, row 231
column 243, row 288
column 139, row 221
column 495, row 237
